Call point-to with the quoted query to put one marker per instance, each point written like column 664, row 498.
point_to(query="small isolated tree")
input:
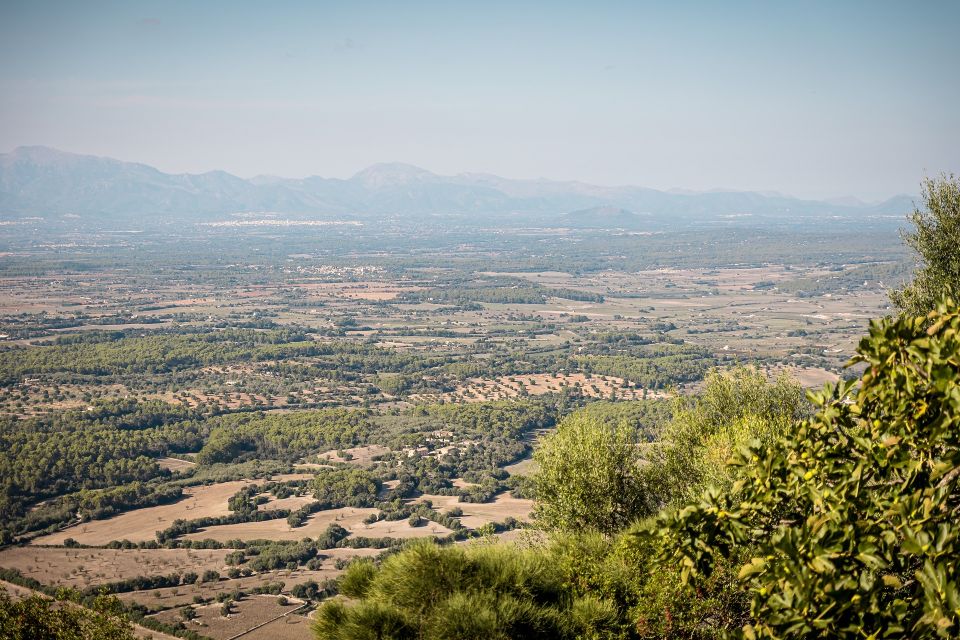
column 936, row 240
column 589, row 476
column 853, row 519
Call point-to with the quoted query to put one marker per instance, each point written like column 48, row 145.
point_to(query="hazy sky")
column 812, row 99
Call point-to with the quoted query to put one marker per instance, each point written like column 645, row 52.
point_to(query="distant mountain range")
column 44, row 182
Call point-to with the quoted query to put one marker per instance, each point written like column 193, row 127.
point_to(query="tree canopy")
column 842, row 525
column 597, row 471
column 733, row 407
column 936, row 240
column 589, row 476
column 481, row 591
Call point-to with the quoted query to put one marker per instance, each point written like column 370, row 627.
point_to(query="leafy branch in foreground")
column 853, row 520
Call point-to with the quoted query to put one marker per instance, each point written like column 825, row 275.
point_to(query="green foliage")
column 40, row 618
column 648, row 597
column 589, row 476
column 853, row 519
column 596, row 471
column 646, row 416
column 284, row 436
column 358, row 577
column 269, row 557
column 103, row 355
column 509, row 419
column 498, row 290
column 479, row 591
column 846, row 278
column 935, row 239
column 310, row 590
column 110, row 444
column 580, row 585
column 346, row 487
column 733, row 408
column 652, row 366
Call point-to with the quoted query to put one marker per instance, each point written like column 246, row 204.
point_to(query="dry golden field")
column 142, row 524
column 361, row 456
column 477, row 514
column 85, row 567
column 350, row 518
column 247, row 613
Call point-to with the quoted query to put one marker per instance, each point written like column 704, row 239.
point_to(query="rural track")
column 138, row 630
column 265, row 623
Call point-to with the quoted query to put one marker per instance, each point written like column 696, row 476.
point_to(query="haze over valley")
column 420, row 321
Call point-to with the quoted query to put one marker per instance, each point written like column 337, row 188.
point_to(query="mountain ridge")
column 42, row 181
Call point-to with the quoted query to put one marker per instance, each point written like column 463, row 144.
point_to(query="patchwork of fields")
column 218, row 442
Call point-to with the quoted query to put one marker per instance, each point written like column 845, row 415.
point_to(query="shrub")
column 852, row 521
column 589, row 476
column 479, row 591
column 734, row 407
column 39, row 617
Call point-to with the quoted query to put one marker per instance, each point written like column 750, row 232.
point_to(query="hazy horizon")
column 814, row 101
column 440, row 174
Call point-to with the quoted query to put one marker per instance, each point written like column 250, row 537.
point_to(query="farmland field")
column 263, row 418
column 84, row 567
column 142, row 524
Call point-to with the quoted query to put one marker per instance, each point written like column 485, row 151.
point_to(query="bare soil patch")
column 245, row 614
column 176, row 464
column 349, row 518
column 291, row 627
column 812, row 376
column 287, row 477
column 361, row 456
column 142, row 524
column 525, row 467
column 292, row 502
column 477, row 514
column 400, row 529
column 162, row 599
column 85, row 567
